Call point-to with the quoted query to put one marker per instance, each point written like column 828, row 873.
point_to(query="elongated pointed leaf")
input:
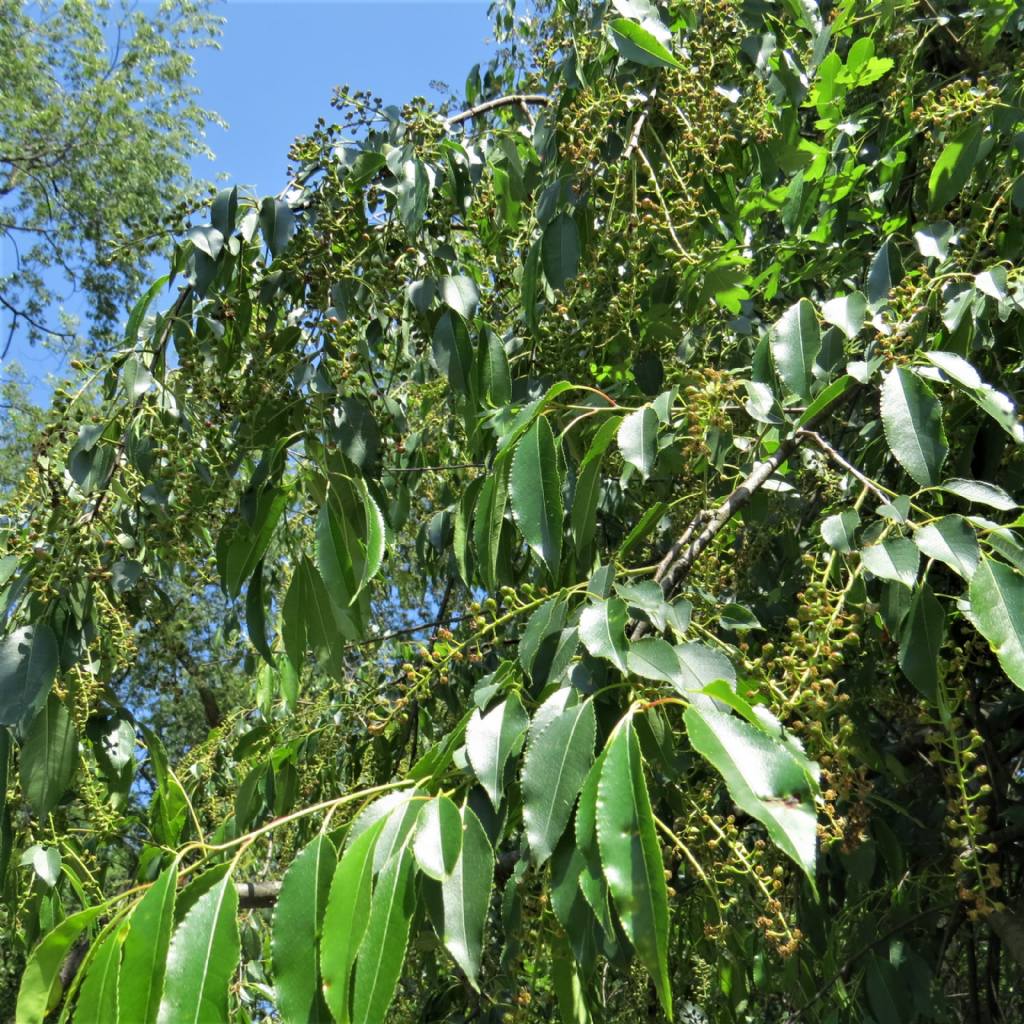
column 40, row 986
column 765, row 777
column 536, row 493
column 603, row 631
column 997, row 608
column 256, row 615
column 28, row 664
column 296, row 930
column 636, row 44
column 637, row 439
column 375, row 539
column 912, row 420
column 795, row 344
column 382, row 951
column 838, row 531
column 141, row 979
column 654, row 658
column 952, row 541
column 921, row 635
column 438, row 841
column 487, row 522
column 631, row 855
column 847, row 312
column 980, row 492
column 277, row 222
column 560, row 250
column 588, row 484
column 896, row 559
column 557, row 760
column 954, row 166
column 491, row 739
column 465, row 895
column 49, row 756
column 345, row 919
column 202, row 959
column 97, row 998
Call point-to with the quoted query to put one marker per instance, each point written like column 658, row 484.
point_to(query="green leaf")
column 952, row 541
column 141, row 981
column 636, row 44
column 296, row 930
column 980, row 493
column 653, row 658
column 461, row 294
column 603, row 631
column 637, row 439
column 345, row 920
column 588, row 484
column 883, row 275
column 795, row 344
column 558, row 756
column 376, row 530
column 560, row 250
column 954, row 166
column 997, row 608
column 847, row 312
column 912, row 420
column 921, row 636
column 536, row 493
column 250, row 541
column 256, row 615
column 40, row 987
column 528, row 285
column 838, row 531
column 277, row 222
column 765, row 777
column 488, row 520
column 438, row 840
column 413, row 194
column 382, row 952
column 202, row 959
column 491, row 739
column 453, row 352
column 631, row 855
column 896, row 559
column 97, row 998
column 49, row 757
column 495, row 376
column 465, row 895
column 28, row 665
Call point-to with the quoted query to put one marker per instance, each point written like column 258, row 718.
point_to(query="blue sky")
column 276, row 70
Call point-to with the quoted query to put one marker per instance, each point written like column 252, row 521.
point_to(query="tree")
column 99, row 121
column 673, row 383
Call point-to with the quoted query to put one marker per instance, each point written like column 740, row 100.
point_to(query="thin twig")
column 634, row 137
column 517, row 99
column 840, row 461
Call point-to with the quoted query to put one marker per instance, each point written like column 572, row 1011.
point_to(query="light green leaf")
column 295, row 932
column 639, row 46
column 896, row 559
column 837, row 531
column 277, row 222
column 558, row 756
column 637, row 439
column 345, row 918
column 952, row 541
column 49, row 757
column 491, row 739
column 954, row 166
column 461, row 294
column 97, row 998
column 912, row 420
column 536, row 494
column 40, row 987
column 465, row 895
column 488, row 519
column 700, row 665
column 603, row 631
column 654, row 658
column 980, row 493
column 438, row 840
column 28, row 664
column 202, row 959
column 631, row 855
column 847, row 312
column 560, row 250
column 382, row 952
column 921, row 635
column 141, row 980
column 997, row 608
column 795, row 344
column 376, row 530
column 765, row 777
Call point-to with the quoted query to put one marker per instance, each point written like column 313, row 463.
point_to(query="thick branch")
column 1010, row 929
column 256, row 895
column 517, row 99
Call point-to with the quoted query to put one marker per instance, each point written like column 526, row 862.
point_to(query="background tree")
column 99, row 122
column 673, row 383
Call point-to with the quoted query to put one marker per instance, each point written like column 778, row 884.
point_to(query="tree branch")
column 517, row 99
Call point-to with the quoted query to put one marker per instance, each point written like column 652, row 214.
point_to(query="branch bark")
column 516, row 99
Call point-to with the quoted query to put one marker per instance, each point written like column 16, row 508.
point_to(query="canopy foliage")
column 562, row 556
